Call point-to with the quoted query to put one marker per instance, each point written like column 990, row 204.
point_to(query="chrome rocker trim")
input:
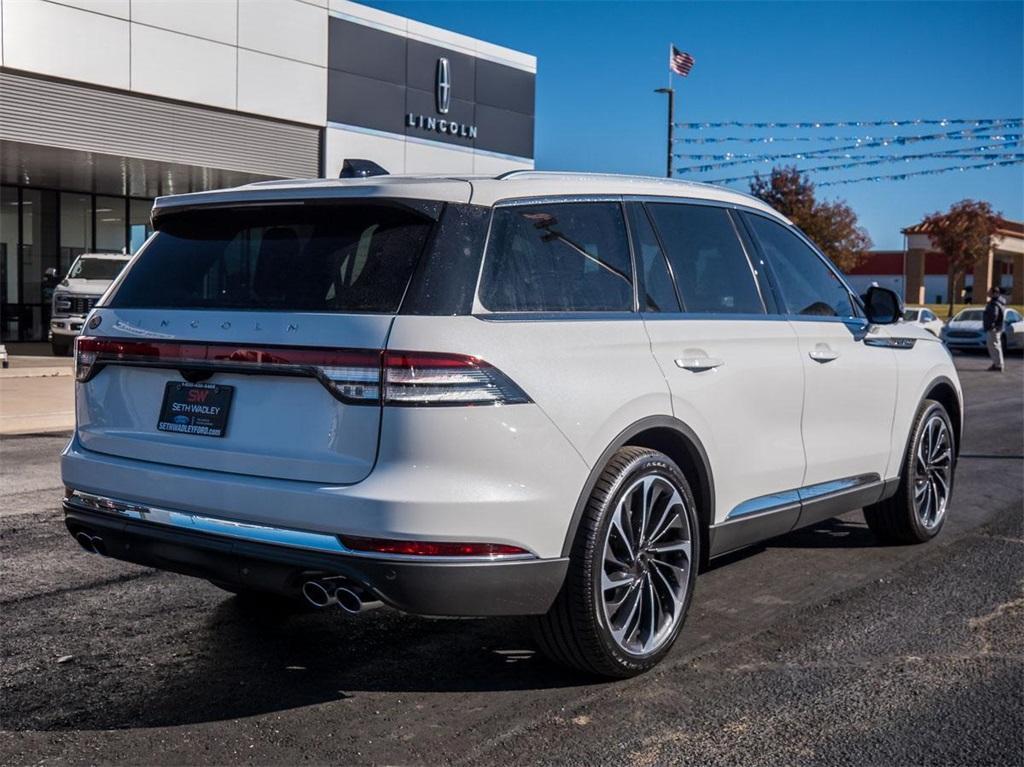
column 767, row 516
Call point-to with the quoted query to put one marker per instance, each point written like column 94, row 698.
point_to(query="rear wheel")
column 631, row 570
column 917, row 511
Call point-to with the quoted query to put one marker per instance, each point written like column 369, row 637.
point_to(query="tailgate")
column 284, row 420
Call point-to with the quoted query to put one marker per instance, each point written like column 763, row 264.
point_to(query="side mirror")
column 883, row 306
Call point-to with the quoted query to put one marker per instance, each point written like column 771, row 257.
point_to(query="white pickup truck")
column 86, row 282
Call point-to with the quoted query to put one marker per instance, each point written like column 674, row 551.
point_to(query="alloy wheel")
column 646, row 565
column 933, row 471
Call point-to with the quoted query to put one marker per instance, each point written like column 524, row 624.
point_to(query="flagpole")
column 671, row 113
column 670, row 92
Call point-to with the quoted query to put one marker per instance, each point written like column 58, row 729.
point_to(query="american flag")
column 680, row 62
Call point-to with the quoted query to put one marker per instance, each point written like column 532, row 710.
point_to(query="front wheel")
column 60, row 349
column 917, row 511
column 631, row 570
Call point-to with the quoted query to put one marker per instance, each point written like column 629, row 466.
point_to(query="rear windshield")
column 96, row 268
column 337, row 258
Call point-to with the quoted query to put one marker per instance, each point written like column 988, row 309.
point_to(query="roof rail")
column 524, row 173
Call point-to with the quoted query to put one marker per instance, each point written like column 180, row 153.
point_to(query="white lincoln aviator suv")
column 539, row 394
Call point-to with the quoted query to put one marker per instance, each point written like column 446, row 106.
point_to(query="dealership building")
column 106, row 104
column 920, row 271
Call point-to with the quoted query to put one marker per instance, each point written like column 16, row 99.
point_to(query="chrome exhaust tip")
column 348, row 600
column 91, row 543
column 317, row 594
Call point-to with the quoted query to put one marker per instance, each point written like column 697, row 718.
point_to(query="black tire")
column 895, row 520
column 575, row 631
column 59, row 349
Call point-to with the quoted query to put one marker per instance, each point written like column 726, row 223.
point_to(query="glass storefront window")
column 9, row 277
column 38, row 253
column 75, row 228
column 110, row 228
column 42, row 229
column 9, row 244
column 139, row 219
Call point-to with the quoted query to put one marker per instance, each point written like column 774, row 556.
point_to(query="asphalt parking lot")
column 819, row 647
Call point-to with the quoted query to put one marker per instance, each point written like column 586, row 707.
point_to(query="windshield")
column 968, row 315
column 911, row 315
column 86, row 268
column 323, row 258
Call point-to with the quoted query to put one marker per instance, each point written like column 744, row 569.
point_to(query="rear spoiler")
column 166, row 207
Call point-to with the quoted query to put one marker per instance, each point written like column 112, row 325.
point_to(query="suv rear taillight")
column 351, row 375
column 419, row 378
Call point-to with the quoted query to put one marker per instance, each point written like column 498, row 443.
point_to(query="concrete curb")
column 51, row 372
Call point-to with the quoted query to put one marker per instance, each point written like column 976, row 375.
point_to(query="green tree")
column 964, row 233
column 831, row 225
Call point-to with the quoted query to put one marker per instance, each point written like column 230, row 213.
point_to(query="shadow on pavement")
column 247, row 660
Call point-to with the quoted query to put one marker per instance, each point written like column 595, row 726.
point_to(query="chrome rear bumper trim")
column 248, row 531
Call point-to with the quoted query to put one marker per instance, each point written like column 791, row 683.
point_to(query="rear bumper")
column 519, row 587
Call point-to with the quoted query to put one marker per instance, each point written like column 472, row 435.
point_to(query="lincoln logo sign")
column 443, row 97
column 444, row 86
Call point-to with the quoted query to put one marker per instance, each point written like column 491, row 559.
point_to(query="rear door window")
column 656, row 289
column 807, row 284
column 559, row 257
column 710, row 266
column 316, row 258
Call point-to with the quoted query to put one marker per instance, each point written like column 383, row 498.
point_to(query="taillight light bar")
column 431, row 548
column 353, row 376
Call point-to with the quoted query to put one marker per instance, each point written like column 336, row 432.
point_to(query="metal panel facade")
column 69, row 116
column 491, row 104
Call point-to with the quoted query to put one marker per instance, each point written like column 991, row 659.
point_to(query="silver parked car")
column 539, row 394
column 965, row 330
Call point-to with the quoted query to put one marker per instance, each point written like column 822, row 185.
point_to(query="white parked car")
column 923, row 317
column 965, row 330
column 87, row 280
column 537, row 394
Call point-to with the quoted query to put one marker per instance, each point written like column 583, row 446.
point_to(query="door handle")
column 699, row 364
column 823, row 355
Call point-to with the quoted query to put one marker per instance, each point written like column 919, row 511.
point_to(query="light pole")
column 671, row 98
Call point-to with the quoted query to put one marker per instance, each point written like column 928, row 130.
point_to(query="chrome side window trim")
column 715, row 317
column 557, row 316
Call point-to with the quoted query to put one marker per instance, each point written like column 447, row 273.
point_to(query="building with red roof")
column 919, row 272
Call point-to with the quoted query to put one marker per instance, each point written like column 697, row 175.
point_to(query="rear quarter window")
column 317, row 258
column 559, row 257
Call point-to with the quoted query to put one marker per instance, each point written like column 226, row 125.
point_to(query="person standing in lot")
column 992, row 322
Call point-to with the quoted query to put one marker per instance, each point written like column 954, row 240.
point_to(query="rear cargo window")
column 562, row 257
column 339, row 258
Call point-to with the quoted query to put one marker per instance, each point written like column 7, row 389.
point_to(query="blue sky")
column 781, row 61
